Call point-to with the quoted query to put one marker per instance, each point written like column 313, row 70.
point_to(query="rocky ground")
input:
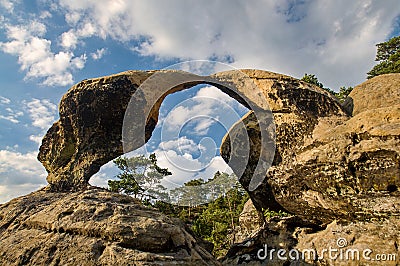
column 93, row 227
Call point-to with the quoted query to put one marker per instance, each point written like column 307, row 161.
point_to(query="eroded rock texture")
column 332, row 165
column 296, row 237
column 328, row 165
column 89, row 132
column 93, row 227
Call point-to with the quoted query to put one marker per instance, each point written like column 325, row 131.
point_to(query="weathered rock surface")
column 89, row 131
column 336, row 168
column 92, row 227
column 330, row 166
column 250, row 222
column 350, row 242
column 379, row 92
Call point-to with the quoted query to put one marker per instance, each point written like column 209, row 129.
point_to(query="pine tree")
column 388, row 56
column 140, row 177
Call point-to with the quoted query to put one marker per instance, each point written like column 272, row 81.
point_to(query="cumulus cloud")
column 20, row 173
column 42, row 112
column 333, row 39
column 181, row 145
column 177, row 156
column 36, row 57
column 185, row 168
column 208, row 107
column 98, row 54
column 9, row 4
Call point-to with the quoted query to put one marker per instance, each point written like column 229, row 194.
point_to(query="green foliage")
column 219, row 218
column 269, row 214
column 215, row 220
column 312, row 79
column 388, row 56
column 139, row 177
column 341, row 95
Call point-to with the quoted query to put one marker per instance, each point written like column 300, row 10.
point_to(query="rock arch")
column 89, row 131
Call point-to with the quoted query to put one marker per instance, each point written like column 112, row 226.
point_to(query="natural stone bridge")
column 309, row 176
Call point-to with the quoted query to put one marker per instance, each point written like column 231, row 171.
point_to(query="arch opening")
column 141, row 119
column 191, row 125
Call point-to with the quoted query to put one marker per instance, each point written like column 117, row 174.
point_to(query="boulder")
column 250, row 222
column 359, row 243
column 378, row 92
column 93, row 227
column 331, row 166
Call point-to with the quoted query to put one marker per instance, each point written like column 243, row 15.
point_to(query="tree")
column 220, row 217
column 191, row 194
column 341, row 95
column 312, row 79
column 388, row 56
column 139, row 176
column 213, row 221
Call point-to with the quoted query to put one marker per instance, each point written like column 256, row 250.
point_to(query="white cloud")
column 185, row 168
column 22, row 164
column 4, row 100
column 20, row 173
column 42, row 112
column 35, row 55
column 11, row 115
column 203, row 126
column 45, row 14
column 181, row 145
column 9, row 4
column 333, row 39
column 69, row 40
column 99, row 180
column 8, row 192
column 36, row 138
column 98, row 54
column 206, row 108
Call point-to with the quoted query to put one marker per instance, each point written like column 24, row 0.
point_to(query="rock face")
column 362, row 243
column 379, row 92
column 89, row 132
column 92, row 227
column 331, row 166
column 357, row 243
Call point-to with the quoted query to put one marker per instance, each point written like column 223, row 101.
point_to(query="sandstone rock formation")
column 89, row 131
column 330, row 166
column 379, row 239
column 92, row 227
column 335, row 168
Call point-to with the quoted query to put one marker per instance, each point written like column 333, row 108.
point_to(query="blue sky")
column 46, row 46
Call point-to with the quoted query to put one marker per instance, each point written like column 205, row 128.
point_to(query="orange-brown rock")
column 93, row 227
column 330, row 166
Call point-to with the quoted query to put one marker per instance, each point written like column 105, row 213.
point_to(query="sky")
column 46, row 46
